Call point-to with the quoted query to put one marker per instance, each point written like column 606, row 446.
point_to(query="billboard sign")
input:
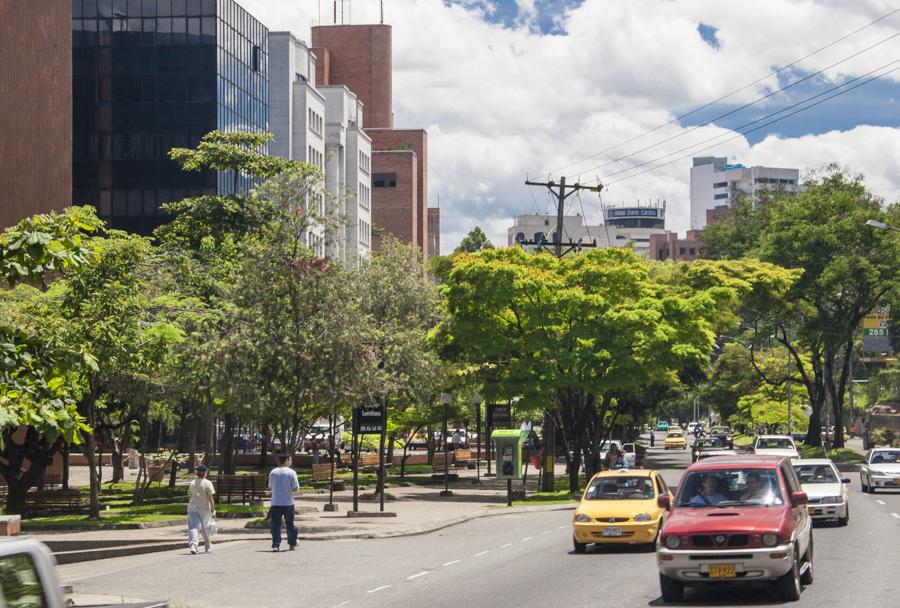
column 877, row 336
column 632, row 212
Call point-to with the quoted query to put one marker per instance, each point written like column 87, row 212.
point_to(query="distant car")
column 723, row 434
column 775, row 445
column 662, row 425
column 620, row 507
column 419, row 441
column 705, row 444
column 675, row 439
column 826, row 489
column 740, row 519
column 715, row 453
column 881, row 470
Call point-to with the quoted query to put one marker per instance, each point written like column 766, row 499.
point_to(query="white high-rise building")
column 715, row 184
column 323, row 126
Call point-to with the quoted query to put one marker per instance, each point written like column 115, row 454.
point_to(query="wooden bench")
column 370, row 461
column 322, row 474
column 251, row 488
column 440, row 465
column 464, row 458
column 53, row 500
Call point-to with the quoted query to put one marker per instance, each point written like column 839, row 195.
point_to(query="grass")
column 560, row 497
column 836, row 454
column 134, row 515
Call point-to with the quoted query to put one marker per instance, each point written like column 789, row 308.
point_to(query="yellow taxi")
column 675, row 439
column 620, row 506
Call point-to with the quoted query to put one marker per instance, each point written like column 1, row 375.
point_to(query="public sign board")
column 499, row 416
column 370, row 420
column 877, row 335
column 633, row 212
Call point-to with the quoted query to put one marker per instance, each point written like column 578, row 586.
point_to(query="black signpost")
column 368, row 420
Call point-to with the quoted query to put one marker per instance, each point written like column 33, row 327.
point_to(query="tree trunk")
column 65, row 457
column 264, row 448
column 90, row 453
column 228, row 445
column 390, row 451
column 192, row 443
column 117, row 466
column 429, row 445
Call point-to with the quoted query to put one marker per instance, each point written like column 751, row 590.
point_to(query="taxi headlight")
column 831, row 499
column 770, row 539
column 642, row 517
column 581, row 517
column 672, row 541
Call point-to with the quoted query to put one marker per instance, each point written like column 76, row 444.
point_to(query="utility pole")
column 560, row 191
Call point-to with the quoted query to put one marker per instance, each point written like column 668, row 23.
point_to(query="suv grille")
column 714, row 541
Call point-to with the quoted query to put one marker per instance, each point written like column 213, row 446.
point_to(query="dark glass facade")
column 151, row 75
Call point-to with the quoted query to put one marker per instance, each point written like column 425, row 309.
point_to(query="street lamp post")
column 446, row 398
column 881, row 226
column 477, row 401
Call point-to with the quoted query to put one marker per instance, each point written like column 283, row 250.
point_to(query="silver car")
column 826, row 489
column 881, row 470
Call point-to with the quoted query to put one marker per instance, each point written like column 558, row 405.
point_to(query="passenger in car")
column 709, row 494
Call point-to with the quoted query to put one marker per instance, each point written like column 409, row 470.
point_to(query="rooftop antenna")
column 334, row 20
column 381, row 5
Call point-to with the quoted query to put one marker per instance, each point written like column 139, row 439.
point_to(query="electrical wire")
column 732, row 93
column 743, row 107
column 741, row 134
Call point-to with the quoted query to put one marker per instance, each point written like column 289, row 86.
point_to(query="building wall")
column 394, row 210
column 669, row 247
column 35, row 108
column 360, row 57
column 434, row 232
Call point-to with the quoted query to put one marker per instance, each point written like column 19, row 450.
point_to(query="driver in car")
column 642, row 489
column 709, row 495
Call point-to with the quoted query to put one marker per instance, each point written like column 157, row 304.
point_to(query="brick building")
column 35, row 108
column 360, row 57
column 669, row 247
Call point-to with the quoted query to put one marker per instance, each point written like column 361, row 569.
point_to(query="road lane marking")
column 506, row 545
column 545, row 532
column 482, row 553
column 881, row 502
column 895, row 515
column 456, row 561
column 377, row 589
column 422, row 573
column 562, row 527
column 527, row 538
column 344, row 603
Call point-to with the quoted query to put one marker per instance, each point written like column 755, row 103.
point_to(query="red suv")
column 737, row 519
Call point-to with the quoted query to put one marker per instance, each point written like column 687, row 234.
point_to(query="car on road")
column 775, row 445
column 723, row 434
column 743, row 518
column 705, row 444
column 881, row 470
column 662, row 425
column 675, row 439
column 620, row 506
column 826, row 489
column 691, row 426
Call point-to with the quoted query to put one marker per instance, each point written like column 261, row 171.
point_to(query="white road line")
column 527, row 538
column 377, row 589
column 881, row 502
column 506, row 545
column 344, row 603
column 456, row 561
column 480, row 554
column 562, row 527
column 422, row 573
column 545, row 532
column 895, row 515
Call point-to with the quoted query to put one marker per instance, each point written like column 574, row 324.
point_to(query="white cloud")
column 502, row 102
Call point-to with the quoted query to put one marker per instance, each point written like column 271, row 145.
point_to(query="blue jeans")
column 276, row 513
column 196, row 527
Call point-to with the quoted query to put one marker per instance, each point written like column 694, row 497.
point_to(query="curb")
column 69, row 528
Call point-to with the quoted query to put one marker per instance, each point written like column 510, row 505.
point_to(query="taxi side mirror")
column 845, row 480
column 799, row 499
column 665, row 502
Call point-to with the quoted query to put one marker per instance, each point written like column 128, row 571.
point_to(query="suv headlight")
column 672, row 541
column 770, row 539
column 831, row 499
column 581, row 517
column 642, row 517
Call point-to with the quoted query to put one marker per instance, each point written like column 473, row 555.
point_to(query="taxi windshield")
column 816, row 473
column 620, row 488
column 885, row 457
column 737, row 487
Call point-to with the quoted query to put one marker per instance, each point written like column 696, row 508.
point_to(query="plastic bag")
column 212, row 528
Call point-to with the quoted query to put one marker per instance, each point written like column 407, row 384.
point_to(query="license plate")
column 812, row 511
column 722, row 571
column 612, row 531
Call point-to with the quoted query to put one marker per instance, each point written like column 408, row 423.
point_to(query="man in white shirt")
column 201, row 509
column 283, row 482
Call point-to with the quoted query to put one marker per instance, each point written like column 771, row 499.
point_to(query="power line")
column 741, row 134
column 743, row 107
column 732, row 93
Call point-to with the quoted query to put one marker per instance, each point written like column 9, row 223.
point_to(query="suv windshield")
column 743, row 487
column 774, row 443
column 816, row 473
column 618, row 488
column 885, row 456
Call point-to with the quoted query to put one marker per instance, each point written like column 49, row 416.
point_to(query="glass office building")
column 151, row 75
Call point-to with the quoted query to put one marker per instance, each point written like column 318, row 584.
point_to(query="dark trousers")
column 276, row 513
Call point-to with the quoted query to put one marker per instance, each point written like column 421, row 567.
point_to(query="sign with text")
column 370, row 420
column 499, row 416
column 614, row 213
column 877, row 335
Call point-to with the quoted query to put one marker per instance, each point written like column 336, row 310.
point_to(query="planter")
column 156, row 472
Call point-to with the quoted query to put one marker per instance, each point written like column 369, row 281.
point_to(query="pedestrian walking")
column 314, row 446
column 201, row 510
column 245, row 442
column 283, row 483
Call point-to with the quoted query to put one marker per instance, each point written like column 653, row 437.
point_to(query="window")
column 384, row 180
column 692, row 251
column 718, row 197
column 681, row 251
column 255, row 59
column 364, row 196
column 20, row 585
column 720, row 185
column 538, row 237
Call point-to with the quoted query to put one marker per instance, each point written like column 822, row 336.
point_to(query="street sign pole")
column 355, row 448
column 446, row 397
column 479, row 438
column 381, row 459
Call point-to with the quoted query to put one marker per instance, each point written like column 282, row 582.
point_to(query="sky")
column 510, row 89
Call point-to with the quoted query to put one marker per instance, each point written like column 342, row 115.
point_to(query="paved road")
column 514, row 561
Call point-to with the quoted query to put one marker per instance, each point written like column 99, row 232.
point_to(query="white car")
column 713, row 453
column 881, row 470
column 691, row 427
column 826, row 489
column 775, row 445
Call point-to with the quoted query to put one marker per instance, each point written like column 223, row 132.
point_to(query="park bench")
column 370, row 461
column 441, row 464
column 53, row 500
column 464, row 458
column 323, row 473
column 252, row 489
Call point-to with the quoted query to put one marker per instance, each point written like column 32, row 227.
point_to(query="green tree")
column 473, row 242
column 847, row 270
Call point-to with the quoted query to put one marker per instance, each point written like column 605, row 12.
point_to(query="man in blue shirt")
column 709, row 495
column 283, row 482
